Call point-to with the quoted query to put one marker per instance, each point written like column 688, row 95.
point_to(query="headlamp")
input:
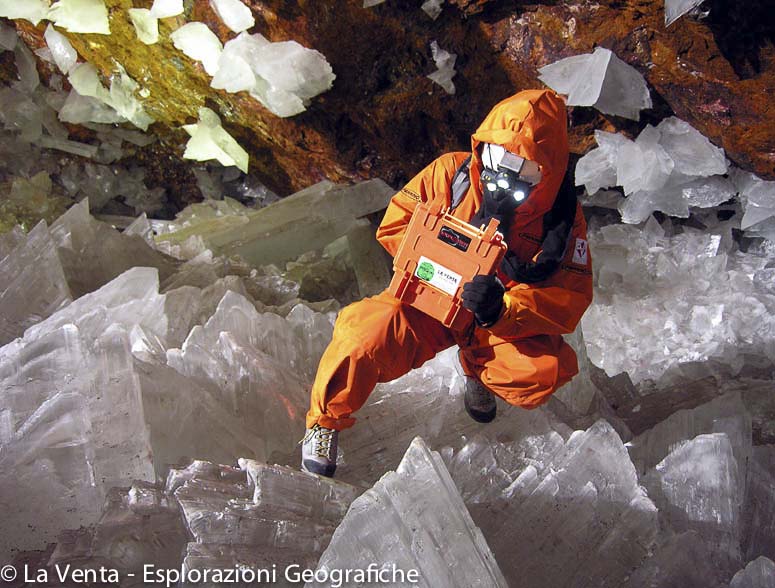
column 507, row 178
column 504, row 187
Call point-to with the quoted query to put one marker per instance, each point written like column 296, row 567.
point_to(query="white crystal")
column 675, row 9
column 122, row 99
column 445, row 68
column 61, row 49
column 31, row 10
column 209, row 141
column 578, row 507
column 83, row 245
column 597, row 169
column 235, row 73
column 79, row 109
column 289, row 75
column 601, row 80
column 234, row 14
column 760, row 573
column 85, row 81
column 80, row 16
column 660, row 280
column 692, row 153
column 146, row 25
column 708, row 192
column 757, row 196
column 643, row 165
column 370, row 3
column 166, row 8
column 258, row 515
column 418, row 516
column 726, row 414
column 432, row 8
column 78, row 427
column 35, row 285
column 196, row 40
column 697, row 487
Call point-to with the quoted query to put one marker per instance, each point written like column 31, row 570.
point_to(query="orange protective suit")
column 522, row 357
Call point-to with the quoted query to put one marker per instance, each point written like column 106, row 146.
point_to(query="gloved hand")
column 484, row 297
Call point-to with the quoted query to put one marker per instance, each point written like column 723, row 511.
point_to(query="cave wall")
column 385, row 118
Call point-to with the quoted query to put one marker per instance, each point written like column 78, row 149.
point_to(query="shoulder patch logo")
column 580, row 252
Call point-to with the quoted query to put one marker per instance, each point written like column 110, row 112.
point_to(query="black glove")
column 484, row 297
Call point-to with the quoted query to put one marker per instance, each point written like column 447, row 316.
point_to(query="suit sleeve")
column 430, row 184
column 553, row 306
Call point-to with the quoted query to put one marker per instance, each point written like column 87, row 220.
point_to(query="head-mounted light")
column 507, row 178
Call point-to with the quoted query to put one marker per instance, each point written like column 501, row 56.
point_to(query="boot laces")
column 322, row 439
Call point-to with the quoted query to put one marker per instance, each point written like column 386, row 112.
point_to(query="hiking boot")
column 318, row 451
column 479, row 401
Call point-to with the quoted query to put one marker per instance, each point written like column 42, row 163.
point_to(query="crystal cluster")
column 670, row 168
column 669, row 296
column 283, row 76
column 601, row 80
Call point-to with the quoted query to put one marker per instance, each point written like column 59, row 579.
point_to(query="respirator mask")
column 507, row 180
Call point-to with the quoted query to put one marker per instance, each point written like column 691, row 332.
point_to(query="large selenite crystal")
column 322, row 213
column 209, row 141
column 198, row 42
column 93, row 253
column 257, row 366
column 697, row 487
column 445, row 68
column 234, row 14
column 256, row 514
column 571, row 515
column 601, row 80
column 413, row 519
column 35, row 286
column 31, row 10
column 760, row 573
column 725, row 414
column 668, row 297
column 73, row 427
column 140, row 526
column 80, row 16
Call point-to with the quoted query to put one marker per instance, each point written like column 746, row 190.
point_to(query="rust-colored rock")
column 385, row 118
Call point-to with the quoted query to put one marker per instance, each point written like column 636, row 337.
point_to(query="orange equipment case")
column 438, row 254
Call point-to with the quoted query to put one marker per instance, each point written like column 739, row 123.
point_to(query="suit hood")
column 533, row 125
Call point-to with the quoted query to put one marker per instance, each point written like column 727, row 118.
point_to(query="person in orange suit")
column 514, row 348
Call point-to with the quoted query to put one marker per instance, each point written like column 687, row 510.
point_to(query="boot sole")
column 314, row 467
